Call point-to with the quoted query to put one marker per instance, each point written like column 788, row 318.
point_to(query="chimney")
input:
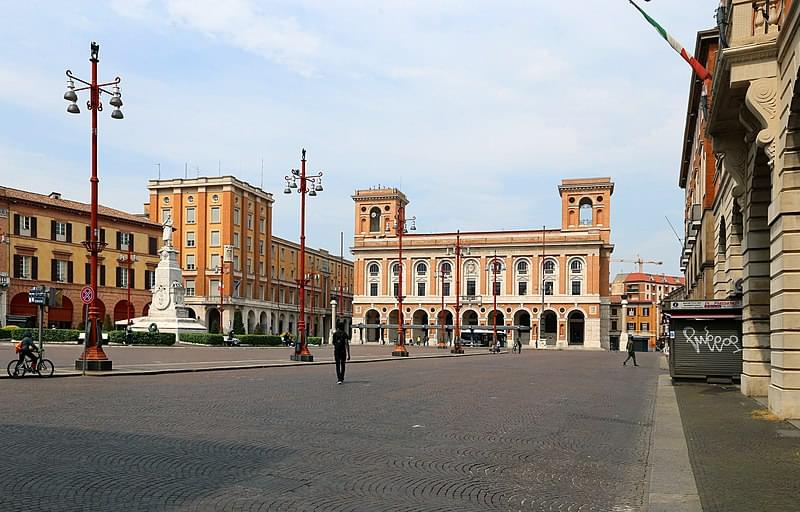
column 55, row 195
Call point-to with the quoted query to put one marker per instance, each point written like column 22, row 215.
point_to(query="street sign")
column 87, row 294
column 37, row 296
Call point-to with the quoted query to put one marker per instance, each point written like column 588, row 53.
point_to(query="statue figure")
column 168, row 229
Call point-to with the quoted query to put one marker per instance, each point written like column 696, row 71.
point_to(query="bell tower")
column 375, row 210
column 586, row 205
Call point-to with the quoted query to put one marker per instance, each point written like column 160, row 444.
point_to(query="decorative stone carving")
column 731, row 153
column 762, row 100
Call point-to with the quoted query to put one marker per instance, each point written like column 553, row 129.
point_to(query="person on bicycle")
column 28, row 349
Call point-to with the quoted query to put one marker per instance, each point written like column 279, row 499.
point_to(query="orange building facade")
column 552, row 284
column 42, row 244
column 230, row 259
column 636, row 308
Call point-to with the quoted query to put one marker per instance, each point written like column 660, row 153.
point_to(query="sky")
column 475, row 109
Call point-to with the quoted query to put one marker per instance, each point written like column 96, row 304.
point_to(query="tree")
column 107, row 325
column 238, row 325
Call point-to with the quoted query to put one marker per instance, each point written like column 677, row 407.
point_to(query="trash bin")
column 705, row 339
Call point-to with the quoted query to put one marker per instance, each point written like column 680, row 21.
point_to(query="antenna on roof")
column 159, row 170
column 680, row 242
column 262, row 173
column 186, row 170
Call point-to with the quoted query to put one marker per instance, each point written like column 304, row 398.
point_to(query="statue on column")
column 168, row 229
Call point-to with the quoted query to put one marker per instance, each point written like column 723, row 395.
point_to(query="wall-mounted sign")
column 706, row 304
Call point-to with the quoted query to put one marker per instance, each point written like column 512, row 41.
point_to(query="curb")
column 672, row 487
column 126, row 373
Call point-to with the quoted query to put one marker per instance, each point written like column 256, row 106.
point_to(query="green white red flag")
column 698, row 68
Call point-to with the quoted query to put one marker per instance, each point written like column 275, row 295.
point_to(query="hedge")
column 314, row 340
column 5, row 332
column 202, row 338
column 261, row 340
column 50, row 335
column 143, row 338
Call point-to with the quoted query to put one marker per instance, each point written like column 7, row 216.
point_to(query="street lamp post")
column 459, row 251
column 128, row 260
column 401, row 225
column 495, row 270
column 221, row 271
column 93, row 356
column 442, row 343
column 304, row 185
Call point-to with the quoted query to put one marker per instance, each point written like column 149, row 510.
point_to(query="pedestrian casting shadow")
column 357, row 382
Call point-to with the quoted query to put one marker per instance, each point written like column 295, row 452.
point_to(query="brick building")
column 636, row 305
column 556, row 278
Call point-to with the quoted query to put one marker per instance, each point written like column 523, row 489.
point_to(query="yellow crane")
column 639, row 261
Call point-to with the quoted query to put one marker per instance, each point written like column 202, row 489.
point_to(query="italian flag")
column 698, row 68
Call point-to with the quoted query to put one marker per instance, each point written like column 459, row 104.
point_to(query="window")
column 614, row 311
column 190, row 216
column 249, row 221
column 189, row 287
column 190, row 239
column 394, row 289
column 214, row 261
column 236, row 240
column 250, row 266
column 373, row 289
column 25, row 225
column 25, row 267
column 149, row 279
column 631, row 326
column 446, row 268
column 420, row 289
column 60, row 231
column 249, row 244
column 585, row 212
column 644, row 326
column 446, row 289
column 190, row 262
column 236, row 262
column 60, row 271
column 122, row 277
column 214, row 239
column 373, row 269
column 166, row 213
column 261, row 247
column 496, row 287
column 613, row 325
column 262, row 225
column 576, row 266
column 422, row 269
column 214, row 290
column 522, row 288
column 522, row 267
column 548, row 287
column 631, row 311
column 152, row 245
column 576, row 287
column 215, row 214
column 375, row 219
column 549, row 267
column 645, row 311
column 237, row 216
column 261, row 292
column 470, row 287
column 395, row 269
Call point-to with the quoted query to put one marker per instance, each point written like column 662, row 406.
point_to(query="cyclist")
column 27, row 350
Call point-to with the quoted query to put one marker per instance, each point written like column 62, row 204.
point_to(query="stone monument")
column 167, row 309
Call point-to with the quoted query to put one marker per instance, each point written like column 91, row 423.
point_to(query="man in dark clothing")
column 631, row 353
column 341, row 349
column 28, row 350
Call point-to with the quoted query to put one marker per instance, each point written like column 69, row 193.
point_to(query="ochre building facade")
column 550, row 284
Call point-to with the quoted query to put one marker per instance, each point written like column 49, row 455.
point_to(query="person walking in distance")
column 341, row 350
column 631, row 353
column 517, row 345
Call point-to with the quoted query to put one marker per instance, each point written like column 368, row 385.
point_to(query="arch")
column 469, row 317
column 372, row 319
column 444, row 318
column 291, row 325
column 61, row 317
column 19, row 306
column 420, row 317
column 576, row 266
column 212, row 320
column 421, row 269
column 585, row 212
column 146, row 309
column 123, row 310
column 282, row 327
column 522, row 267
column 549, row 328
column 575, row 327
column 273, row 323
column 251, row 321
column 191, row 312
column 392, row 326
column 522, row 320
column 374, row 219
column 549, row 267
column 373, row 269
column 446, row 267
column 490, row 318
column 262, row 322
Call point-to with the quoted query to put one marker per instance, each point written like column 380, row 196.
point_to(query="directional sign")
column 87, row 294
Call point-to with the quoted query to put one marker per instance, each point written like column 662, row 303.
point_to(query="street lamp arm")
column 73, row 77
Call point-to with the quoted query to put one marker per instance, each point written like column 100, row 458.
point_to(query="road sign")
column 87, row 294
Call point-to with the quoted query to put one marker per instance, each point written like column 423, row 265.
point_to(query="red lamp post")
column 459, row 252
column 128, row 260
column 401, row 225
column 495, row 270
column 221, row 288
column 305, row 185
column 442, row 343
column 93, row 357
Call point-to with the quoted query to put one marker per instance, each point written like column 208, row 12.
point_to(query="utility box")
column 705, row 338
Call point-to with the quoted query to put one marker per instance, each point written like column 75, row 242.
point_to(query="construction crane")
column 639, row 261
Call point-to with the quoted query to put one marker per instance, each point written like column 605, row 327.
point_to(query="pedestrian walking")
column 341, row 351
column 517, row 346
column 631, row 353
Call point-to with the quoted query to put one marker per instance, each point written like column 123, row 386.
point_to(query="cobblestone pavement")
column 551, row 431
column 740, row 462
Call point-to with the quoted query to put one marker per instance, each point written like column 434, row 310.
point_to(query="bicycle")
column 44, row 367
